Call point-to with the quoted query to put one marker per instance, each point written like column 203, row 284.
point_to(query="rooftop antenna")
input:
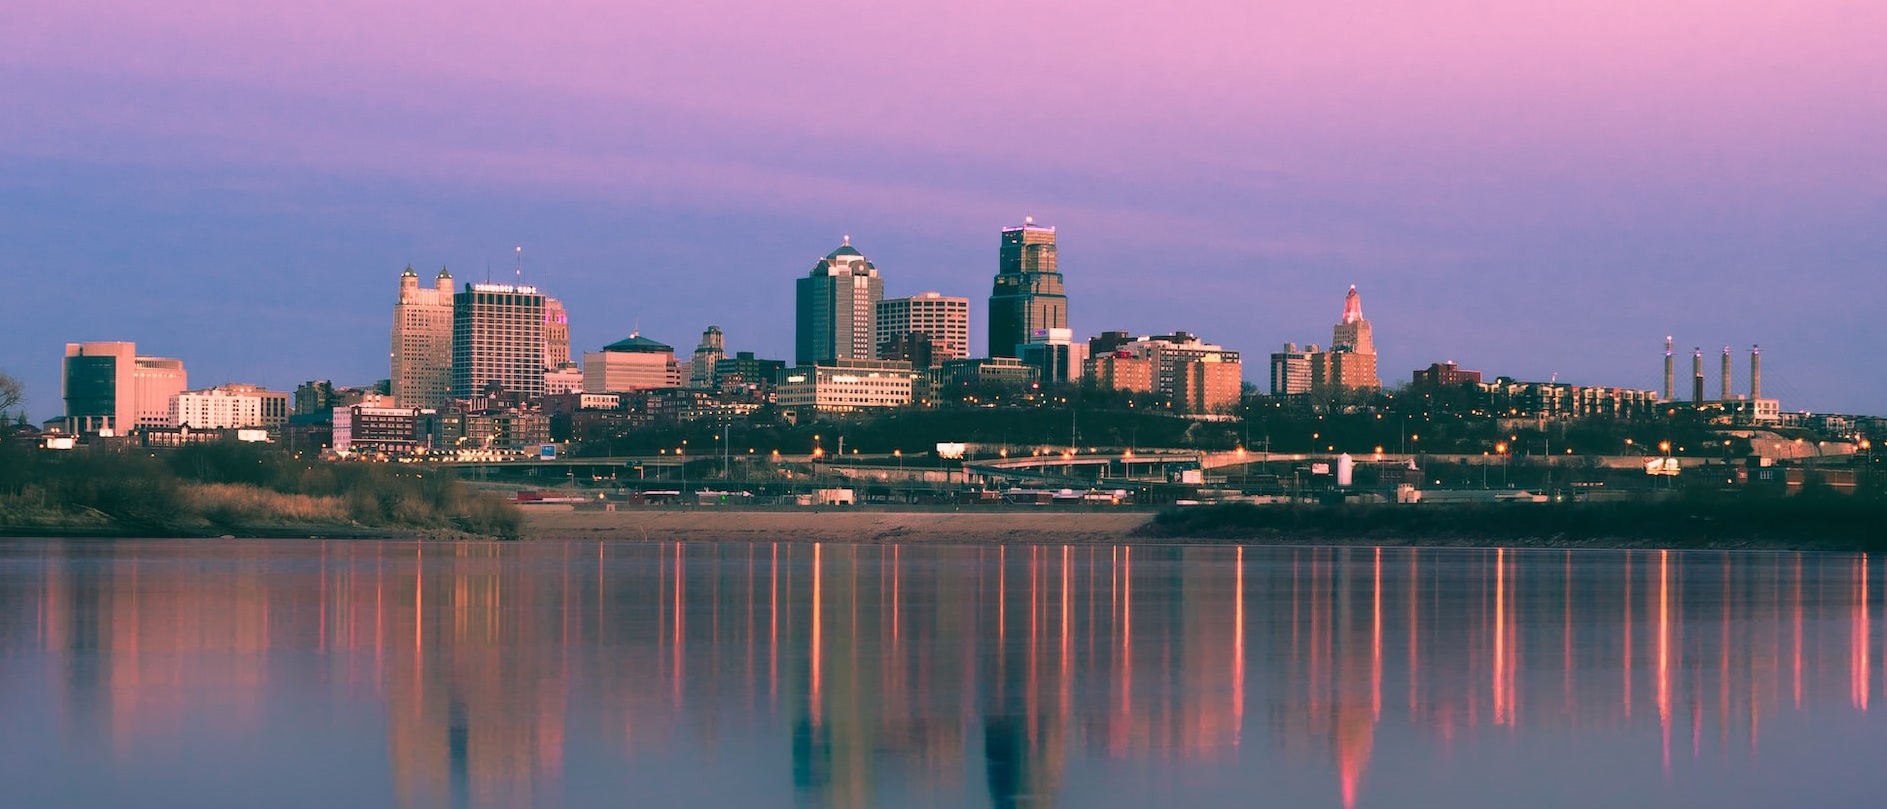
column 520, row 267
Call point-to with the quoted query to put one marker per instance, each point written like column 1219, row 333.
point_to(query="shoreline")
column 868, row 525
column 832, row 524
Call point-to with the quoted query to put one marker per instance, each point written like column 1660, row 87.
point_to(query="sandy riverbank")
column 834, row 525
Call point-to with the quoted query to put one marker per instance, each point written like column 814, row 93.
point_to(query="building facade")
column 943, row 321
column 1350, row 363
column 711, row 350
column 1209, row 385
column 1007, row 372
column 421, row 355
column 556, row 334
column 387, row 430
column 497, row 339
column 1120, row 370
column 1290, row 370
column 1443, row 375
column 847, row 386
column 110, row 390
column 633, row 363
column 228, row 407
column 836, row 309
column 1027, row 293
column 745, row 370
column 1054, row 354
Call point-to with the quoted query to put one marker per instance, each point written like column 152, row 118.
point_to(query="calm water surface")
column 371, row 674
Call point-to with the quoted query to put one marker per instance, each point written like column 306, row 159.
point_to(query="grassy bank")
column 245, row 490
column 1717, row 521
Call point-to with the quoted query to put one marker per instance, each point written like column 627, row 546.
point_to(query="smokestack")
column 1726, row 374
column 1669, row 380
column 1697, row 376
column 1755, row 372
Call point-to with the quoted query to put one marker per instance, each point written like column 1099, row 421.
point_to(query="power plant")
column 1751, row 405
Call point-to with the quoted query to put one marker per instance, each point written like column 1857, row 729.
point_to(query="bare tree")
column 12, row 392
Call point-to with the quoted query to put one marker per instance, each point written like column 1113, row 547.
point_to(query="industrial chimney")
column 1669, row 379
column 1697, row 376
column 1755, row 372
column 1726, row 374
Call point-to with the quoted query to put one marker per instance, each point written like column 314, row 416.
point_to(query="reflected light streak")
column 1796, row 600
column 1664, row 654
column 1628, row 627
column 1375, row 645
column 677, row 623
column 818, row 657
column 1860, row 638
column 1238, row 651
column 1126, row 637
column 1002, row 592
column 1067, row 639
column 1500, row 637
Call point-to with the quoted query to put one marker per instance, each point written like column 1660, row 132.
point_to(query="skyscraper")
column 836, row 312
column 944, row 320
column 421, row 372
column 712, row 349
column 497, row 338
column 556, row 334
column 1350, row 364
column 1027, row 296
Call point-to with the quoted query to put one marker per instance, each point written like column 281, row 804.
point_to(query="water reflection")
column 867, row 675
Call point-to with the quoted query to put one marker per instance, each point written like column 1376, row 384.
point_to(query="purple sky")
column 1525, row 188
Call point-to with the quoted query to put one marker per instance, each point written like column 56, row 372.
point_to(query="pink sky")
column 1640, row 148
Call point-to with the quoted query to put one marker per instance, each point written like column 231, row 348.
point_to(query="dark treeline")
column 1396, row 421
column 232, row 487
column 1815, row 519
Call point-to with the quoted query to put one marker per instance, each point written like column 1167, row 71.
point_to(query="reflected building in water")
column 991, row 673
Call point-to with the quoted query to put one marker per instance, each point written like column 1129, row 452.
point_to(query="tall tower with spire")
column 1026, row 301
column 836, row 308
column 1350, row 363
column 421, row 355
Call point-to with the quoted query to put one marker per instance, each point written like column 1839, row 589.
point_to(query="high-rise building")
column 421, row 358
column 1290, row 370
column 497, row 339
column 1120, row 370
column 110, row 390
column 1350, row 364
column 837, row 309
column 1210, row 384
column 944, row 320
column 556, row 334
column 710, row 351
column 1027, row 295
column 633, row 363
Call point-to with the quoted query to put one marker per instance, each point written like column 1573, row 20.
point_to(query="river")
column 235, row 673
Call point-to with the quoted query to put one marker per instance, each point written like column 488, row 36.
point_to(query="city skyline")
column 1530, row 191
